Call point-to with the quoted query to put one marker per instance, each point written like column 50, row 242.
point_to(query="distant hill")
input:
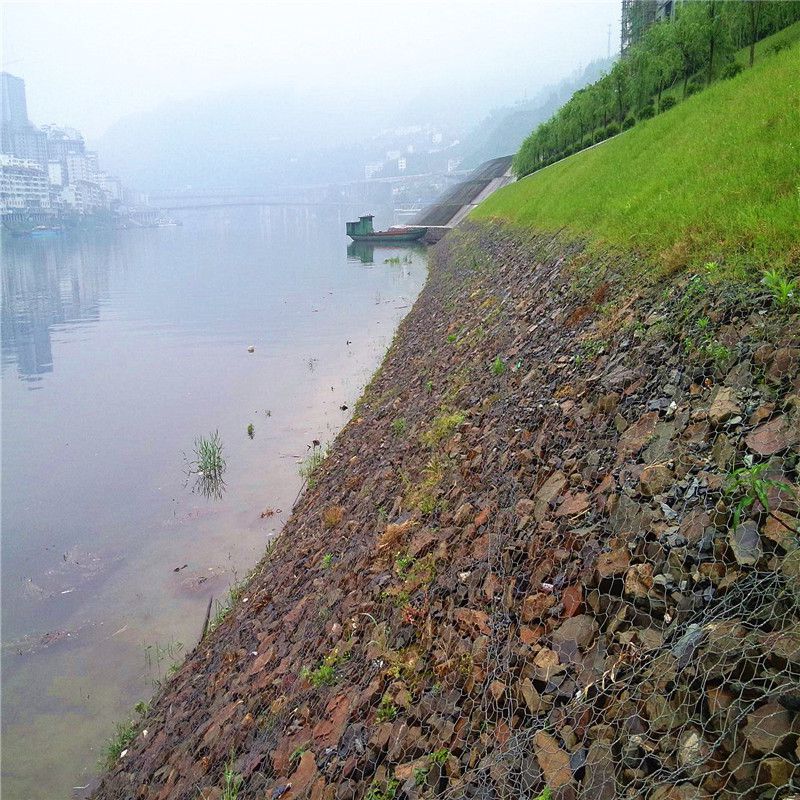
column 505, row 128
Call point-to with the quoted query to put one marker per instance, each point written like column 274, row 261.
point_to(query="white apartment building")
column 111, row 186
column 55, row 173
column 79, row 168
column 24, row 185
column 83, row 196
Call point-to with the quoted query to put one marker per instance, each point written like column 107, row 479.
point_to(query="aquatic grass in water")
column 208, row 467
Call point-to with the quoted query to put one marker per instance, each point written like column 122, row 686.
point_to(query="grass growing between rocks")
column 715, row 177
column 124, row 734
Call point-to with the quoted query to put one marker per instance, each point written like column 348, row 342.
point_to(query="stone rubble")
column 539, row 584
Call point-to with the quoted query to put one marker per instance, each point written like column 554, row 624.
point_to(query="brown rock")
column 607, row 404
column 784, row 644
column 723, row 406
column 599, row 782
column 303, row 776
column 524, row 507
column 785, row 363
column 329, row 730
column 572, row 599
column 779, row 528
column 463, row 513
column 693, row 525
column 772, row 437
column 655, row 479
column 472, row 620
column 405, row 771
column 766, row 728
column 552, row 759
column 551, row 489
column 530, row 635
column 533, row 700
column 746, row 543
column 637, row 435
column 775, row 771
column 581, row 630
column 764, row 411
column 497, row 689
column 482, row 517
column 536, row 606
column 639, row 580
column 614, row 563
column 718, row 699
column 574, row 505
column 681, row 791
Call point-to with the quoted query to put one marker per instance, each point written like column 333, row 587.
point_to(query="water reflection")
column 365, row 251
column 48, row 283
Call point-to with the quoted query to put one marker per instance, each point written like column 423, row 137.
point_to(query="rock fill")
column 572, row 575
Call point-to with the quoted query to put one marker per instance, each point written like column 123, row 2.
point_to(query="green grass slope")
column 715, row 178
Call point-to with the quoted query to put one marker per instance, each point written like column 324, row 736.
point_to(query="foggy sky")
column 90, row 64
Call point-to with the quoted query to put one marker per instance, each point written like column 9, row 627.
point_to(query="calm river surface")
column 118, row 350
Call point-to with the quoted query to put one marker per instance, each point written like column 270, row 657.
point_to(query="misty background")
column 255, row 96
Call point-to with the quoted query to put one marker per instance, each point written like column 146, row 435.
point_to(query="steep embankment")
column 715, row 176
column 554, row 550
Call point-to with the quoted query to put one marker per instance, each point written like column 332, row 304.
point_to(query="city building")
column 84, row 197
column 18, row 137
column 79, row 168
column 61, row 141
column 48, row 169
column 639, row 15
column 111, row 188
column 24, row 185
column 15, row 105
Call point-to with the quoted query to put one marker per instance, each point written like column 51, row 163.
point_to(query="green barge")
column 362, row 231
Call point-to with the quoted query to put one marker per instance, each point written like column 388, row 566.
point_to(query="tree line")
column 693, row 48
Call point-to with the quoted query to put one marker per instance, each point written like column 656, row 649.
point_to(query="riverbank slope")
column 554, row 553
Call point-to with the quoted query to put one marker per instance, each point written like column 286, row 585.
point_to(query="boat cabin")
column 361, row 228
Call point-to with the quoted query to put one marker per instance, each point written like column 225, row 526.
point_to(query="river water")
column 119, row 349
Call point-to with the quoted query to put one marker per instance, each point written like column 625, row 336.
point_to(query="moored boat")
column 363, row 231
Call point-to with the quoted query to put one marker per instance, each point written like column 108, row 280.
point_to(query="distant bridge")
column 191, row 203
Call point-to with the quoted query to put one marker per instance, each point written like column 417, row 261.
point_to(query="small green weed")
column 325, row 673
column 439, row 757
column 784, row 291
column 327, row 561
column 399, row 426
column 251, row 430
column 387, row 711
column 498, row 367
column 428, row 386
column 387, row 792
column 208, row 466
column 452, row 337
column 421, row 775
column 748, row 485
column 297, row 753
column 545, row 794
column 123, row 736
column 402, row 564
column 442, row 427
column 231, row 782
column 311, row 463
